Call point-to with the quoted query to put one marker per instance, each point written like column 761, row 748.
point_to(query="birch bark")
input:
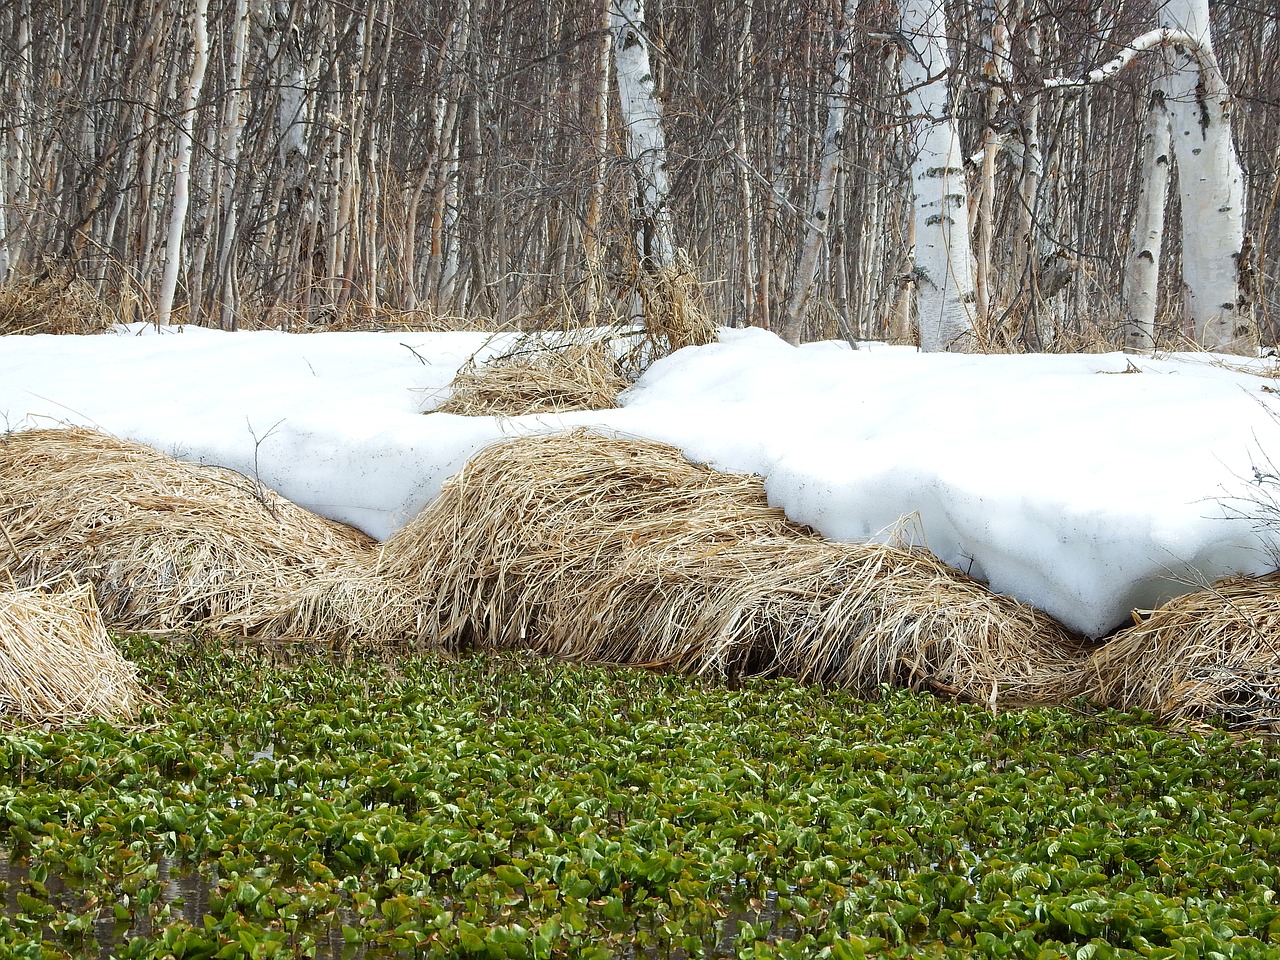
column 1142, row 271
column 182, row 171
column 646, row 143
column 1211, row 185
column 1218, row 304
column 943, row 251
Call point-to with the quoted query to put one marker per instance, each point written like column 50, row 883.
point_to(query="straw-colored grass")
column 54, row 304
column 347, row 605
column 57, row 663
column 673, row 310
column 167, row 545
column 538, row 374
column 1214, row 652
column 619, row 549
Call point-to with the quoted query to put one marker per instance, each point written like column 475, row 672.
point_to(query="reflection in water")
column 187, row 894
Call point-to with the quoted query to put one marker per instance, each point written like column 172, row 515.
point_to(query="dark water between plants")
column 187, row 894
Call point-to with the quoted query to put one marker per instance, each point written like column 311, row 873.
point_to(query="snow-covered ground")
column 1086, row 485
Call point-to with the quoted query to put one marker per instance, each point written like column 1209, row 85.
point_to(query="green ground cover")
column 524, row 808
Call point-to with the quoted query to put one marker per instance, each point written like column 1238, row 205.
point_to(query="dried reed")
column 57, row 663
column 619, row 549
column 672, row 314
column 166, row 544
column 538, row 374
column 54, row 304
column 1214, row 652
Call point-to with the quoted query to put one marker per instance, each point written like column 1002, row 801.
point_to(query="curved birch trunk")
column 943, row 251
column 182, row 172
column 1215, row 254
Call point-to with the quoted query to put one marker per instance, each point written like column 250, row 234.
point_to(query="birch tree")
column 1142, row 272
column 646, row 143
column 943, row 270
column 1211, row 186
column 1210, row 183
column 182, row 170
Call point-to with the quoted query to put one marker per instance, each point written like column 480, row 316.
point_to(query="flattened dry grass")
column 167, row 545
column 57, row 663
column 621, row 550
column 1214, row 652
column 538, row 375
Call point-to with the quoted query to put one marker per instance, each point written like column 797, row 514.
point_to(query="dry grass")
column 346, row 605
column 54, row 304
column 538, row 375
column 56, row 661
column 167, row 545
column 673, row 314
column 599, row 548
column 1214, row 652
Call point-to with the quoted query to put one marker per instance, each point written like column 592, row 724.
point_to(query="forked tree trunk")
column 1211, row 186
column 943, row 252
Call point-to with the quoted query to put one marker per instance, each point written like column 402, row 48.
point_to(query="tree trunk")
column 1211, row 185
column 943, row 253
column 1143, row 268
column 646, row 142
column 182, row 172
column 816, row 226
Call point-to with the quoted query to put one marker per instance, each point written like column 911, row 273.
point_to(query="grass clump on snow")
column 165, row 544
column 537, row 374
column 505, row 807
column 1213, row 652
column 619, row 549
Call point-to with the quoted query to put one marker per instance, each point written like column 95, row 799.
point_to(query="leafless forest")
column 343, row 162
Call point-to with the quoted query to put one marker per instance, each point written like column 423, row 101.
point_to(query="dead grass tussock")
column 56, row 304
column 1214, row 652
column 57, row 663
column 166, row 544
column 619, row 549
column 674, row 315
column 539, row 374
column 344, row 606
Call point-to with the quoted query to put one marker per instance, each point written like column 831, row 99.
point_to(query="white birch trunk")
column 182, row 172
column 1211, row 185
column 1142, row 273
column 646, row 143
column 806, row 272
column 943, row 250
column 230, row 143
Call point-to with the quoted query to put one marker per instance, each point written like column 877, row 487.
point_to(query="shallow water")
column 187, row 894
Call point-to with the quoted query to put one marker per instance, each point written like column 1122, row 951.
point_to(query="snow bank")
column 1086, row 485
